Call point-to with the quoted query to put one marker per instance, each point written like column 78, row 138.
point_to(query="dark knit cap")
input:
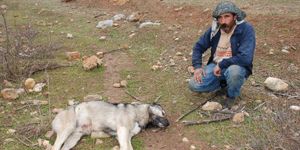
column 228, row 7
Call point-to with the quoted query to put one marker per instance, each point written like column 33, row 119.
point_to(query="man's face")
column 227, row 21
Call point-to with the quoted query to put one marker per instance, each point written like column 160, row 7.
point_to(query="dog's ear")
column 156, row 110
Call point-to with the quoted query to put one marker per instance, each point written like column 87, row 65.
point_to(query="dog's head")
column 157, row 116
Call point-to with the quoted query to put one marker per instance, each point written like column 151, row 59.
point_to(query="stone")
column 94, row 97
column 271, row 51
column 7, row 84
column 105, row 24
column 209, row 106
column 132, row 35
column 191, row 69
column 293, row 68
column 9, row 94
column 118, row 17
column 123, row 83
column 148, row 23
column 238, row 117
column 98, row 142
column 73, row 55
column 156, row 67
column 57, row 110
column 72, row 102
column 179, row 54
column 11, row 131
column 49, row 134
column 192, row 147
column 178, row 9
column 276, row 84
column 116, row 85
column 102, row 38
column 185, row 140
column 39, row 87
column 134, row 17
column 69, row 36
column 100, row 54
column 91, row 62
column 285, row 51
column 294, row 107
column 29, row 83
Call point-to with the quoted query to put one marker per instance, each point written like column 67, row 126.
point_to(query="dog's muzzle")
column 160, row 122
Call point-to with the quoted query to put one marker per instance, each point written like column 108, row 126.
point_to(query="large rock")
column 134, row 17
column 276, row 84
column 118, row 17
column 92, row 62
column 73, row 55
column 29, row 83
column 9, row 94
column 209, row 106
column 104, row 24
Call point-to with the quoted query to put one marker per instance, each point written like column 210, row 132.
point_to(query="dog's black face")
column 157, row 115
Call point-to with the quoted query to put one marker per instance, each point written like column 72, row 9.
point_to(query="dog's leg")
column 124, row 138
column 72, row 140
column 64, row 125
column 61, row 138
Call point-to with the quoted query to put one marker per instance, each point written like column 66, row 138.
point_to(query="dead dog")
column 122, row 120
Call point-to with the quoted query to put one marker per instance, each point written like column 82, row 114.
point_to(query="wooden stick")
column 189, row 123
column 157, row 99
column 182, row 116
column 259, row 106
column 133, row 96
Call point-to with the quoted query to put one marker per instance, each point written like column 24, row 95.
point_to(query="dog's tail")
column 63, row 124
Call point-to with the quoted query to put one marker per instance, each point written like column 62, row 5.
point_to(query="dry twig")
column 183, row 115
column 189, row 123
column 157, row 99
column 260, row 105
column 133, row 96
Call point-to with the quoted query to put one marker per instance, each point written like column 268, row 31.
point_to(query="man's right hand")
column 199, row 72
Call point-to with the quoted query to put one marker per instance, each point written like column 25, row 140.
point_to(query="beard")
column 227, row 27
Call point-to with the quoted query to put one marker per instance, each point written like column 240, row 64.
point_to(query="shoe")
column 228, row 102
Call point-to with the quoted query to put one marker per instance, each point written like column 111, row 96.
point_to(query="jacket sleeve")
column 245, row 52
column 200, row 47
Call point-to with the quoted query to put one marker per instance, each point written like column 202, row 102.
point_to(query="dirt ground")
column 276, row 25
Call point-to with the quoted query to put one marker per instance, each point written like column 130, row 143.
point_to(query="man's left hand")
column 217, row 70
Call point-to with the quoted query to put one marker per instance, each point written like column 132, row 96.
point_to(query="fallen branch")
column 22, row 141
column 41, row 67
column 182, row 116
column 114, row 50
column 157, row 99
column 260, row 105
column 133, row 96
column 189, row 123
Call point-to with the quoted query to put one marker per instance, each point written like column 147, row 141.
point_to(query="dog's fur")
column 122, row 120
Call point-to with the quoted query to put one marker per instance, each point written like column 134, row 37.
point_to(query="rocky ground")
column 128, row 50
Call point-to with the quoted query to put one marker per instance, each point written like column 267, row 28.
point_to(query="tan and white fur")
column 122, row 120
